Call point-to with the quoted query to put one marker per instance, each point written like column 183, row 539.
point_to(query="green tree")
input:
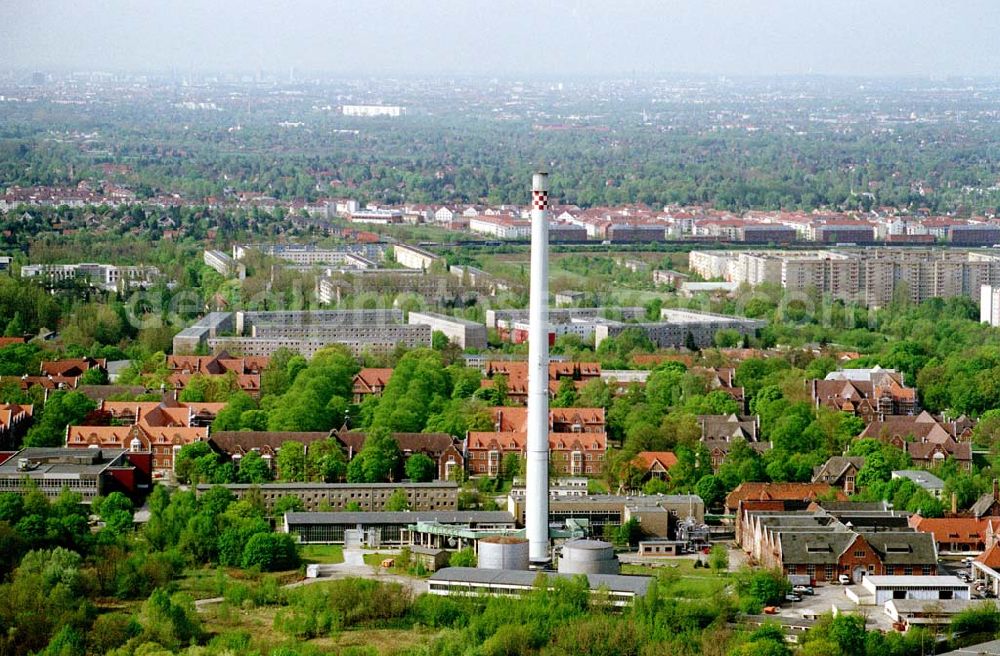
column 292, row 462
column 270, row 552
column 420, row 468
column 230, row 417
column 61, row 410
column 462, row 558
column 253, row 469
column 288, row 503
column 566, row 396
column 326, row 462
column 397, row 501
column 169, row 621
column 377, row 461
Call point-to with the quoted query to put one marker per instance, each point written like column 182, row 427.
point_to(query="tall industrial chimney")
column 537, row 493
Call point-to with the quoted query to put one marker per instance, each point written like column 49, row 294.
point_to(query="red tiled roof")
column 647, row 459
column 781, row 492
column 990, row 557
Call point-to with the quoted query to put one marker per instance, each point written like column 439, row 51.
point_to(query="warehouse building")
column 379, row 529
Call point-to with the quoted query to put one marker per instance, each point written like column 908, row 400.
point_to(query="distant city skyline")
column 517, row 38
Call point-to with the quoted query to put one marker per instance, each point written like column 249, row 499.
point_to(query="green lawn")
column 375, row 559
column 327, row 554
column 209, row 582
column 679, row 578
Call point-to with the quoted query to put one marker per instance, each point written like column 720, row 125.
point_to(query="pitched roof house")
column 719, row 432
column 840, row 471
column 656, row 464
column 866, row 393
column 247, row 370
column 370, row 382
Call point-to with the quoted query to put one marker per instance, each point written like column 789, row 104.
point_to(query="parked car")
column 844, row 579
column 772, row 610
column 803, row 590
column 792, row 597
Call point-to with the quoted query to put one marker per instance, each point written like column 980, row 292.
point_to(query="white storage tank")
column 503, row 552
column 588, row 557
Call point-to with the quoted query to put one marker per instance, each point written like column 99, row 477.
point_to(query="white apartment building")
column 373, row 110
column 224, row 264
column 105, row 276
column 465, row 333
column 502, row 227
column 873, row 277
column 989, row 305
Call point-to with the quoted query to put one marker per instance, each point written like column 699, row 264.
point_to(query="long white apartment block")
column 873, row 276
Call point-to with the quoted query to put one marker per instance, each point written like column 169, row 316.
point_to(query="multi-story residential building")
column 873, row 277
column 572, row 454
column 104, row 276
column 503, row 227
column 989, row 305
column 680, row 328
column 413, row 257
column 260, row 334
column 465, row 333
column 503, row 320
column 516, row 373
column 225, row 265
column 197, row 334
column 348, row 255
column 245, row 370
column 157, row 428
column 368, row 111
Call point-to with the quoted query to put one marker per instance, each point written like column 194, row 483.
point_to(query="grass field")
column 208, row 582
column 679, row 578
column 327, row 554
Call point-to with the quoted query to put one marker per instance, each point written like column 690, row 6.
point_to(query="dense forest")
column 806, row 145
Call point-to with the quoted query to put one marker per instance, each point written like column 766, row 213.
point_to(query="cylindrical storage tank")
column 503, row 552
column 588, row 557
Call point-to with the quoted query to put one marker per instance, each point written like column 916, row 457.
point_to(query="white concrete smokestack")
column 537, row 492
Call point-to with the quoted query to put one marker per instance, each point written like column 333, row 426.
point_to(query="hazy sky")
column 508, row 37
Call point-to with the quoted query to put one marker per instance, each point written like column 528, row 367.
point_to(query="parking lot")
column 831, row 596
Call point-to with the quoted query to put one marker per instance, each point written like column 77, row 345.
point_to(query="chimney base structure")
column 537, row 493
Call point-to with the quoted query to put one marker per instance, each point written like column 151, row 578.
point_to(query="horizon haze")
column 581, row 37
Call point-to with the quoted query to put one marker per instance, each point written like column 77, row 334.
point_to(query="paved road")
column 353, row 567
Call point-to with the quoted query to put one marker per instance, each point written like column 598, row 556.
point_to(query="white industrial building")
column 878, row 590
